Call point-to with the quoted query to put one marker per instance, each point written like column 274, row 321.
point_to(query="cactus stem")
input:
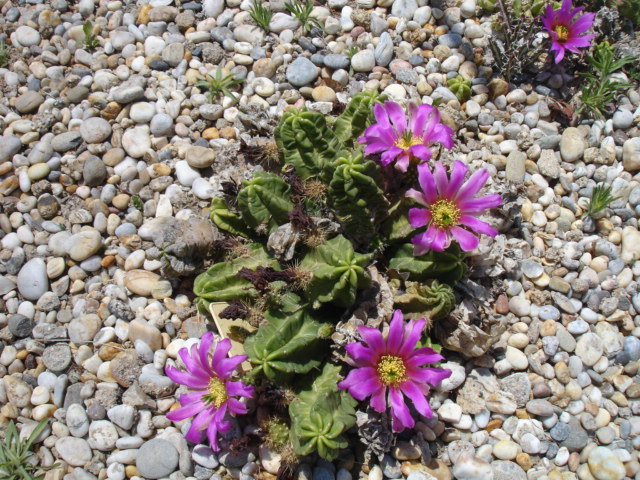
column 315, row 238
column 255, row 312
column 302, row 276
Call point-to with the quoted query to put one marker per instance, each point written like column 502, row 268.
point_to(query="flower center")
column 562, row 31
column 408, row 140
column 391, row 370
column 217, row 393
column 445, row 214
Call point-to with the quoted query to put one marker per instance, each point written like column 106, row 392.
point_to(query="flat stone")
column 66, row 141
column 32, row 279
column 301, row 72
column 572, row 145
column 57, row 358
column 95, row 130
column 589, row 348
column 82, row 330
column 84, row 244
column 29, row 102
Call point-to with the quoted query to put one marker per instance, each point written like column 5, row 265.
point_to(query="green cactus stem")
column 460, row 87
column 225, row 219
column 221, row 283
column 321, row 415
column 338, row 272
column 265, row 202
column 447, row 266
column 290, row 343
column 420, row 300
column 307, row 143
column 356, row 117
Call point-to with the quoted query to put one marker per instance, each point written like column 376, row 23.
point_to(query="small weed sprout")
column 261, row 14
column 601, row 198
column 600, row 89
column 4, row 55
column 218, row 84
column 302, row 11
column 17, row 460
column 90, row 41
column 136, row 201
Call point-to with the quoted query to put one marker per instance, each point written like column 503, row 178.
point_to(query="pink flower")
column 451, row 208
column 400, row 141
column 395, row 367
column 212, row 393
column 567, row 29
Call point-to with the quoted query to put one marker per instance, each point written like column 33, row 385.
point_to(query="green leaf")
column 447, row 266
column 265, row 201
column 220, row 283
column 338, row 272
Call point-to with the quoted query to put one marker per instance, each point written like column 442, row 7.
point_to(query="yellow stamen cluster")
column 217, row 392
column 407, row 141
column 445, row 214
column 562, row 31
column 391, row 370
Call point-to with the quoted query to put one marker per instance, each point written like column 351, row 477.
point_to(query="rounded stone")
column 136, row 141
column 301, row 72
column 103, row 435
column 75, row 451
column 57, row 358
column 604, row 465
column 32, row 279
column 157, row 458
column 20, row 326
column 27, row 36
column 84, row 244
column 95, row 130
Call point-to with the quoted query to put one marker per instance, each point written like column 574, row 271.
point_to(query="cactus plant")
column 265, row 202
column 221, row 283
column 276, row 433
column 226, row 219
column 321, row 415
column 358, row 200
column 288, row 344
column 447, row 266
column 338, row 272
column 420, row 300
column 460, row 87
column 356, row 117
column 307, row 143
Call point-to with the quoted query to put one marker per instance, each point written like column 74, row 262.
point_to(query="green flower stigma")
column 408, row 140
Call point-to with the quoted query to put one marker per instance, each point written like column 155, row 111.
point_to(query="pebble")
column 156, row 458
column 95, row 130
column 363, row 61
column 32, row 279
column 301, row 72
column 75, row 451
column 604, row 465
column 572, row 145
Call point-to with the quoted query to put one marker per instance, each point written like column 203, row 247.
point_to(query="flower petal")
column 204, row 348
column 236, row 407
column 442, row 134
column 199, row 424
column 440, row 241
column 226, row 367
column 411, row 390
column 402, row 162
column 478, row 226
column 390, row 155
column 191, row 360
column 419, row 217
column 221, row 352
column 185, row 378
column 373, row 338
column 400, row 415
column 396, row 330
column 361, row 382
column 412, row 333
column 473, row 185
column 467, row 240
column 185, row 412
column 427, row 183
column 440, row 177
column 365, row 356
column 239, row 389
column 418, row 118
column 421, row 151
column 423, row 356
column 382, row 117
column 397, row 116
column 378, row 399
column 417, row 197
column 376, row 147
column 480, row 204
column 458, row 172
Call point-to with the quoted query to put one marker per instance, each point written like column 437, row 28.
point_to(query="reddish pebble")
column 502, row 305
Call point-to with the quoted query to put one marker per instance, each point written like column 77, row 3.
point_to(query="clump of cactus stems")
column 460, row 87
column 336, row 212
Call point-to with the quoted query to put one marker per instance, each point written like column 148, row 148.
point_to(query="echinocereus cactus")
column 226, row 220
column 451, row 208
column 403, row 140
column 358, row 200
column 338, row 272
column 289, row 343
column 212, row 393
column 221, row 283
column 307, row 143
column 447, row 266
column 567, row 28
column 394, row 367
column 432, row 302
column 321, row 415
column 265, row 202
column 460, row 87
column 356, row 117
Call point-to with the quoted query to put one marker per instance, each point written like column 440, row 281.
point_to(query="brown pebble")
column 211, row 133
column 107, row 261
column 131, row 471
column 502, row 305
column 228, row 133
column 493, row 424
column 524, row 460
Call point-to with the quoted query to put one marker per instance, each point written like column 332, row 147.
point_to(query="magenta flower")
column 400, row 141
column 212, row 392
column 451, row 208
column 394, row 366
column 567, row 29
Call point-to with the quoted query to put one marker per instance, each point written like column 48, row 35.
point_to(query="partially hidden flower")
column 388, row 370
column 212, row 394
column 402, row 139
column 567, row 28
column 451, row 208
